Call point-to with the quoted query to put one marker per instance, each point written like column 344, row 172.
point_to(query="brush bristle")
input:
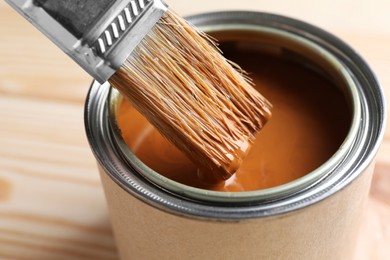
column 180, row 82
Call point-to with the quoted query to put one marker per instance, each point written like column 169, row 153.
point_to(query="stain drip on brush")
column 205, row 105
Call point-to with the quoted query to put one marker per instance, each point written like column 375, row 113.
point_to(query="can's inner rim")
column 310, row 51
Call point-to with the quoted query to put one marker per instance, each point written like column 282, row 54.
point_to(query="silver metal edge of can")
column 268, row 194
column 361, row 154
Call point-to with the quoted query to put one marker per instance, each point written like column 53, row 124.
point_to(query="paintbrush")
column 167, row 69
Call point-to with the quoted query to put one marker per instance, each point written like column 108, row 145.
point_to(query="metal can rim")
column 102, row 143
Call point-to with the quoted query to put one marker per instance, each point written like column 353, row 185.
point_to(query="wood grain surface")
column 52, row 204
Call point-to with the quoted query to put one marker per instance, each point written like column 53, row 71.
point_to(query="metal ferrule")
column 98, row 34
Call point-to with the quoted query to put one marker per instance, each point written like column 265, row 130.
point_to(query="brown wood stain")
column 310, row 119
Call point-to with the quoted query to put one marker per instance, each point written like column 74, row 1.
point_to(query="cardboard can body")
column 315, row 217
column 326, row 230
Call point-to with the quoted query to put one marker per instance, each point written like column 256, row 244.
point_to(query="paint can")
column 314, row 217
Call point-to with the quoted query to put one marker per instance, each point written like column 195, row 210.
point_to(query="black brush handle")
column 77, row 16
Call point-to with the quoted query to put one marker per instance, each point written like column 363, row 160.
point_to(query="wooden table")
column 52, row 204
